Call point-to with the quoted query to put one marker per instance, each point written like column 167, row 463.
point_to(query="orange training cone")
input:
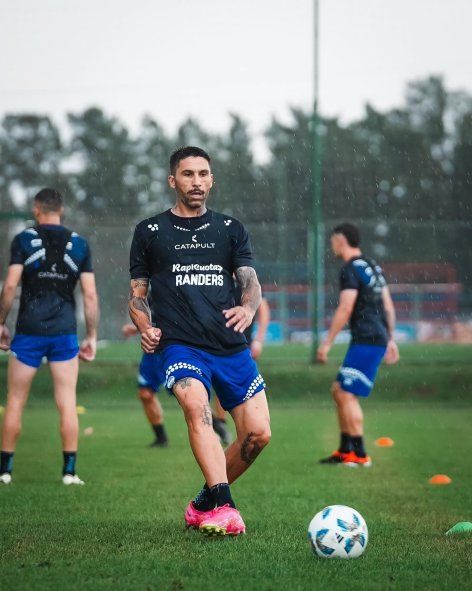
column 440, row 479
column 384, row 442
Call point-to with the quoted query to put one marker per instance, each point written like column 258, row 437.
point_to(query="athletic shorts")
column 30, row 349
column 151, row 373
column 235, row 378
column 359, row 368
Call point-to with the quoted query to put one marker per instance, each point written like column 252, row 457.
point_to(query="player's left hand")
column 88, row 349
column 5, row 338
column 322, row 353
column 392, row 355
column 238, row 317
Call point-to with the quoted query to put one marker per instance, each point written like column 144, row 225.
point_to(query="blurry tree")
column 30, row 158
column 104, row 172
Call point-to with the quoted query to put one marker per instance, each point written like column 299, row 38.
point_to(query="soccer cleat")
column 222, row 521
column 68, row 479
column 336, row 457
column 193, row 517
column 157, row 443
column 5, row 478
column 352, row 460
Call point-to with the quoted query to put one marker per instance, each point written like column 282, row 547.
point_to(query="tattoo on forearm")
column 250, row 287
column 207, row 417
column 250, row 449
column 140, row 305
column 4, row 307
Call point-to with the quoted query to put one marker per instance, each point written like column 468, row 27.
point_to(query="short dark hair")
column 49, row 200
column 182, row 153
column 350, row 232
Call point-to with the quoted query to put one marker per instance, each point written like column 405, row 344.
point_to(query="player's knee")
column 145, row 395
column 264, row 437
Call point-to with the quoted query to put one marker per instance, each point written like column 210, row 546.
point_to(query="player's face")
column 192, row 181
column 337, row 243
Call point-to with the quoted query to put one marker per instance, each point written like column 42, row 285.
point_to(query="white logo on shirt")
column 194, row 238
column 153, row 227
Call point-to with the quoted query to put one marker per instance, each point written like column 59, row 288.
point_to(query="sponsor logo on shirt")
column 194, row 244
column 53, row 274
column 195, row 274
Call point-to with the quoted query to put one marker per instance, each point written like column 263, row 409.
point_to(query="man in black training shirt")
column 188, row 256
column 48, row 259
column 366, row 303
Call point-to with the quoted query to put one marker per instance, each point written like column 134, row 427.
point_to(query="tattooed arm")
column 140, row 314
column 240, row 317
column 6, row 300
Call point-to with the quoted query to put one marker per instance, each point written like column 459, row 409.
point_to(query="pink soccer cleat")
column 193, row 517
column 222, row 521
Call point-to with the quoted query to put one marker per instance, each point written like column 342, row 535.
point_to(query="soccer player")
column 189, row 254
column 366, row 303
column 48, row 259
column 150, row 379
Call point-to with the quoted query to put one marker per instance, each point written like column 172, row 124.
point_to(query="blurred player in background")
column 365, row 303
column 188, row 255
column 49, row 260
column 150, row 378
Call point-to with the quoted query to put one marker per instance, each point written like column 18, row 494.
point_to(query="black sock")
column 358, row 446
column 160, row 432
column 70, row 457
column 6, row 462
column 222, row 495
column 204, row 500
column 217, row 420
column 345, row 444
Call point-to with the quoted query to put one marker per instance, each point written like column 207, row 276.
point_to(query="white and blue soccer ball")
column 338, row 531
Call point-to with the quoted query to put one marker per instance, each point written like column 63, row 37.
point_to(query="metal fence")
column 431, row 281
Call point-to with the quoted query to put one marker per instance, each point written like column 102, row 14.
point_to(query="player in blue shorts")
column 188, row 256
column 49, row 260
column 365, row 303
column 150, row 378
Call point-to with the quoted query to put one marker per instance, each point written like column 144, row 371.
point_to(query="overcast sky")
column 175, row 58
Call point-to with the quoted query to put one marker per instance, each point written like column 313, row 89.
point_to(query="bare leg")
column 20, row 377
column 151, row 405
column 220, row 412
column 64, row 375
column 252, row 422
column 350, row 415
column 193, row 398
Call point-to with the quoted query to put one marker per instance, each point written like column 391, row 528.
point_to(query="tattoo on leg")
column 207, row 417
column 183, row 383
column 250, row 449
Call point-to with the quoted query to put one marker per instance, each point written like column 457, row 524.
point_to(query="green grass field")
column 124, row 529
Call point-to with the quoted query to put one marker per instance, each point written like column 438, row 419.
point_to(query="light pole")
column 317, row 227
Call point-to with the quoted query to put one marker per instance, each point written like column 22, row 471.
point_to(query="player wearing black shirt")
column 49, row 260
column 188, row 256
column 366, row 303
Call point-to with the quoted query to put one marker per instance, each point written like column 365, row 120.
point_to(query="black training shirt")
column 190, row 264
column 368, row 322
column 53, row 258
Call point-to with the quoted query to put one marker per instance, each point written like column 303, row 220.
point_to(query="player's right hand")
column 150, row 339
column 5, row 338
column 322, row 353
column 88, row 349
column 392, row 354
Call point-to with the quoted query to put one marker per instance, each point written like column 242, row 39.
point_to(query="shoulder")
column 150, row 225
column 235, row 228
column 28, row 238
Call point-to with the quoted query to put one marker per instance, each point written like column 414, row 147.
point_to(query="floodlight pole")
column 317, row 228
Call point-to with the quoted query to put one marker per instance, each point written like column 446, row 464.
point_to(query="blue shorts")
column 151, row 374
column 235, row 378
column 359, row 368
column 30, row 349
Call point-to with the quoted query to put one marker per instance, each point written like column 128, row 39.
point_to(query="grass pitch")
column 124, row 529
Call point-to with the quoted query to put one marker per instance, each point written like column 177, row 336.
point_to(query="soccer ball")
column 338, row 531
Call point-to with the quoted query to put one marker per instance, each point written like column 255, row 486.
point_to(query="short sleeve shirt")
column 190, row 264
